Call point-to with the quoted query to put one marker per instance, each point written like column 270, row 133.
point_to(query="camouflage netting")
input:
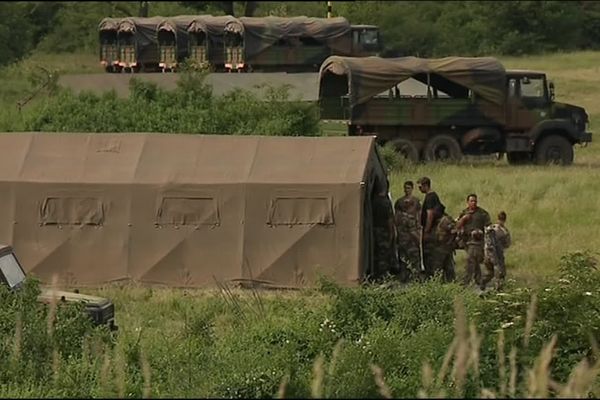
column 366, row 77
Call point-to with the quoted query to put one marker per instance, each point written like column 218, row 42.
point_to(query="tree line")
column 420, row 28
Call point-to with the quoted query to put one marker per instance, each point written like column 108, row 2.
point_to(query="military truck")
column 468, row 106
column 101, row 310
column 294, row 44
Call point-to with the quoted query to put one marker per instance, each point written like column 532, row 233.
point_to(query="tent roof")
column 369, row 76
column 182, row 158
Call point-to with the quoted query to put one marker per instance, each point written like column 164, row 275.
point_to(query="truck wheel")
column 407, row 149
column 518, row 158
column 554, row 149
column 442, row 148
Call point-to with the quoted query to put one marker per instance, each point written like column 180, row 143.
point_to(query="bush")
column 191, row 108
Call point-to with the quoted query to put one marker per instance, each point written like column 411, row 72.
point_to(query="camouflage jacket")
column 407, row 228
column 473, row 230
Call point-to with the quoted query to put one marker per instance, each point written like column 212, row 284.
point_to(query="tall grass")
column 426, row 340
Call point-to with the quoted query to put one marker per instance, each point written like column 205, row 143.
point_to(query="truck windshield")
column 369, row 37
column 532, row 87
column 11, row 270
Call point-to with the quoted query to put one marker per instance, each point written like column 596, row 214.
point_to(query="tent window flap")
column 72, row 211
column 301, row 211
column 188, row 211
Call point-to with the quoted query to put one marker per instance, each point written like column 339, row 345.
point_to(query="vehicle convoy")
column 101, row 310
column 226, row 43
column 470, row 106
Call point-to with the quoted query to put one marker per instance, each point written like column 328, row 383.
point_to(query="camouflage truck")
column 295, row 44
column 101, row 310
column 107, row 35
column 469, row 106
column 138, row 44
column 206, row 41
column 173, row 37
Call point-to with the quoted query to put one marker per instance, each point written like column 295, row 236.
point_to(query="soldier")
column 408, row 233
column 408, row 189
column 431, row 212
column 445, row 233
column 496, row 241
column 471, row 224
column 384, row 235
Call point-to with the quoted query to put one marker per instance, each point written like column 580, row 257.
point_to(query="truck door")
column 527, row 100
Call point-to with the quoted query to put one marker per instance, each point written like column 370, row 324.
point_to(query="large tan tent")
column 189, row 210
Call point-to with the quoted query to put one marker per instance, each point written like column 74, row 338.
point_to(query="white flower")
column 588, row 293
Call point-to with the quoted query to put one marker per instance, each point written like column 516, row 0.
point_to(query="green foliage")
column 30, row 334
column 217, row 347
column 191, row 108
column 394, row 161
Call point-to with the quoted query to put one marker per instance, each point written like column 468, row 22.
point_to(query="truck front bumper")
column 586, row 137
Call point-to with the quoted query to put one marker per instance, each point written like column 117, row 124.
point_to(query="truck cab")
column 12, row 274
column 538, row 127
column 366, row 40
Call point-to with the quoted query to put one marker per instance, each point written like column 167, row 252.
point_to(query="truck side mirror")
column 551, row 89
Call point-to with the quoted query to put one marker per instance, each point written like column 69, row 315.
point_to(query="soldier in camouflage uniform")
column 384, row 236
column 471, row 224
column 446, row 246
column 497, row 239
column 408, row 233
column 416, row 208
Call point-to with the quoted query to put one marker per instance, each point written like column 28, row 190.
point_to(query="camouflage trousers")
column 438, row 256
column 385, row 259
column 474, row 260
column 444, row 261
column 409, row 256
column 497, row 268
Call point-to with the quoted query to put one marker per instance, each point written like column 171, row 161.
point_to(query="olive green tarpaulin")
column 186, row 210
column 369, row 76
column 109, row 24
column 262, row 33
column 178, row 26
column 211, row 25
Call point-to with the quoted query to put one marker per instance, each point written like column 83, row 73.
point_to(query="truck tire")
column 518, row 157
column 442, row 148
column 407, row 149
column 554, row 149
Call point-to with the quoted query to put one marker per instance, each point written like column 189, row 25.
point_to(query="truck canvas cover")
column 179, row 27
column 262, row 33
column 366, row 77
column 109, row 24
column 211, row 25
column 144, row 31
column 188, row 210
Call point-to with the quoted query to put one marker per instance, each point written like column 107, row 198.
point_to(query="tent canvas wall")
column 186, row 210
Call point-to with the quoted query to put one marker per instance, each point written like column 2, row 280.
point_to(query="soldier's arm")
column 429, row 222
column 507, row 241
column 462, row 220
column 392, row 229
